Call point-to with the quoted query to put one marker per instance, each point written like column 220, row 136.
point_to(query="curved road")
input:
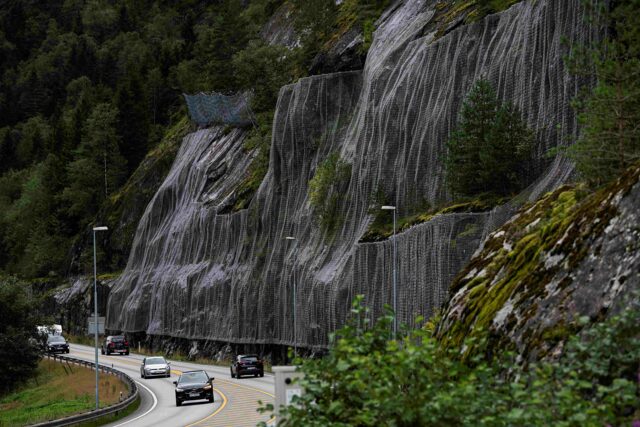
column 235, row 403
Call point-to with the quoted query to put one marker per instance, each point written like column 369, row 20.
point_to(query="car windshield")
column 155, row 361
column 193, row 377
column 117, row 339
column 249, row 358
column 55, row 338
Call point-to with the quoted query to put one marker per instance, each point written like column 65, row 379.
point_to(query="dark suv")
column 115, row 344
column 193, row 385
column 57, row 344
column 247, row 364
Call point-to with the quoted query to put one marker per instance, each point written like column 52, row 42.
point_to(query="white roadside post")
column 95, row 305
column 287, row 387
column 395, row 294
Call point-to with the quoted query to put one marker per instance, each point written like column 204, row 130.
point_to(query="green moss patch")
column 382, row 226
column 451, row 12
column 521, row 258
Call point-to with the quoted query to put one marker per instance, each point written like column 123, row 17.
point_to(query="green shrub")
column 368, row 379
column 259, row 139
column 326, row 190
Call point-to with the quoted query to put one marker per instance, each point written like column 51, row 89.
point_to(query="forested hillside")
column 87, row 89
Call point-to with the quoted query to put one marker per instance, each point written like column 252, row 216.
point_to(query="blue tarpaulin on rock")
column 213, row 108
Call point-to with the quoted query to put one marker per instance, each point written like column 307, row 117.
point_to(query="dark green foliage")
column 98, row 167
column 322, row 22
column 381, row 227
column 259, row 139
column 263, row 69
column 609, row 114
column 369, row 380
column 20, row 345
column 327, row 189
column 79, row 79
column 490, row 151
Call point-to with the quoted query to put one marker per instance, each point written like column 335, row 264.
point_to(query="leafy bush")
column 368, row 379
column 491, row 149
column 259, row 139
column 19, row 342
column 326, row 190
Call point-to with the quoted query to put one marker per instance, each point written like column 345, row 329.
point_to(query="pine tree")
column 610, row 136
column 98, row 167
column 490, row 151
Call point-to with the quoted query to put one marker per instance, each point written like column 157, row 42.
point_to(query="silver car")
column 155, row 366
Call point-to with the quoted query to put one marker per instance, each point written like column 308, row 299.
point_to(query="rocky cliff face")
column 196, row 273
column 567, row 257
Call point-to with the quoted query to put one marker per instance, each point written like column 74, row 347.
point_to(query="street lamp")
column 295, row 340
column 95, row 303
column 395, row 300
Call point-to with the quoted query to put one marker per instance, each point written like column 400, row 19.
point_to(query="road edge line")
column 155, row 403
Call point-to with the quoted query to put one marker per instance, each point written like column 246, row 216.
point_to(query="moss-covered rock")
column 565, row 257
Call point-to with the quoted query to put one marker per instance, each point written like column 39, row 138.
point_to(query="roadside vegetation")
column 368, row 379
column 58, row 390
column 20, row 344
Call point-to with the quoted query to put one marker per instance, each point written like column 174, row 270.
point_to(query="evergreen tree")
column 490, row 150
column 133, row 120
column 98, row 167
column 610, row 136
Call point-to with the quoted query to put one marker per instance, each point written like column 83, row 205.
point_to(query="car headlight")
column 207, row 387
column 179, row 390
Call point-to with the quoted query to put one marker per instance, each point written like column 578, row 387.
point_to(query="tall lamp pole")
column 95, row 304
column 295, row 340
column 395, row 293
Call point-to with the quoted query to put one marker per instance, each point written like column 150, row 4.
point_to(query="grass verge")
column 58, row 390
column 113, row 417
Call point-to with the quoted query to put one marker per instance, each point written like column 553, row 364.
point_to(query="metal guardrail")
column 87, row 416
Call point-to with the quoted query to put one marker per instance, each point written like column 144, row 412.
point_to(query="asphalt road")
column 236, row 400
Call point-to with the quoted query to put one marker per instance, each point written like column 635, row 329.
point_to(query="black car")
column 115, row 344
column 193, row 385
column 247, row 364
column 57, row 344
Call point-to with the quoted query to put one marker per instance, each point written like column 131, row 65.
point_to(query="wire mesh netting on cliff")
column 213, row 108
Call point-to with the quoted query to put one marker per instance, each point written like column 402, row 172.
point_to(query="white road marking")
column 155, row 402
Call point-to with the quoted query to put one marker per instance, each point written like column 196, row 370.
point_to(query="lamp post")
column 395, row 298
column 295, row 340
column 95, row 304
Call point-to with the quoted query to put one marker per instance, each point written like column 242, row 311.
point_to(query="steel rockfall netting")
column 200, row 271
column 208, row 109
